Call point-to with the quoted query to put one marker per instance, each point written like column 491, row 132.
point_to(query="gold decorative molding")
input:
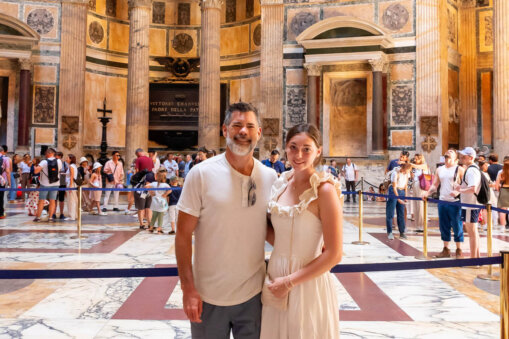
column 313, row 70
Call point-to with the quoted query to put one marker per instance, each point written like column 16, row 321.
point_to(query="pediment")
column 16, row 32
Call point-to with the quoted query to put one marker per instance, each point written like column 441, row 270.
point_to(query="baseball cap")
column 468, row 151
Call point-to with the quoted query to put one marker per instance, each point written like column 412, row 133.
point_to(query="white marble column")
column 210, row 75
column 431, row 67
column 138, row 78
column 314, row 71
column 271, row 70
column 72, row 71
column 501, row 77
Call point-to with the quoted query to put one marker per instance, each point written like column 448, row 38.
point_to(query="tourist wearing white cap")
column 95, row 182
column 468, row 189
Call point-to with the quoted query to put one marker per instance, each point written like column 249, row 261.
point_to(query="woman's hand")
column 280, row 286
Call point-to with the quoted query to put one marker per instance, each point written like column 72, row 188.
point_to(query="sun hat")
column 96, row 166
column 83, row 159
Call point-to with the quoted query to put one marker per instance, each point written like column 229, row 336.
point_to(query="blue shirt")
column 175, row 195
column 277, row 166
column 393, row 164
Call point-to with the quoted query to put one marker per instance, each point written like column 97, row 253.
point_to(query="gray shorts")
column 243, row 320
column 48, row 195
column 142, row 203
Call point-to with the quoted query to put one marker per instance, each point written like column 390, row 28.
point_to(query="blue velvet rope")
column 173, row 271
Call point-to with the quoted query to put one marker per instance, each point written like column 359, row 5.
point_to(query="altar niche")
column 174, row 114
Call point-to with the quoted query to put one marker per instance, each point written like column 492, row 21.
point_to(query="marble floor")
column 440, row 303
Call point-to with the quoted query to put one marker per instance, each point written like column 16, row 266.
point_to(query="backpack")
column 53, row 175
column 79, row 177
column 483, row 197
column 138, row 177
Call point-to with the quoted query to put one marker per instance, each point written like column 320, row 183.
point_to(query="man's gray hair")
column 242, row 107
column 139, row 150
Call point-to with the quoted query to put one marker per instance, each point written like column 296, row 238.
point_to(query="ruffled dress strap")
column 308, row 196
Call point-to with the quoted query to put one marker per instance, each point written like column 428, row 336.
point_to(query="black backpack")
column 483, row 197
column 138, row 177
column 53, row 175
column 80, row 176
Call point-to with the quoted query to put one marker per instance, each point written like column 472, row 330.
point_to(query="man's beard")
column 237, row 149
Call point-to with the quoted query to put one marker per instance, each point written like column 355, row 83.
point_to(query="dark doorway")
column 4, row 97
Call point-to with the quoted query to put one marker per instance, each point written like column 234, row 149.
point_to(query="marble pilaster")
column 378, row 66
column 501, row 77
column 210, row 91
column 72, row 70
column 138, row 78
column 271, row 70
column 313, row 71
column 24, row 117
column 431, row 69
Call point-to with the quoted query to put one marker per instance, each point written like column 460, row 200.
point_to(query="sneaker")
column 403, row 236
column 390, row 236
column 446, row 253
column 126, row 211
column 104, row 209
column 135, row 215
column 459, row 253
column 54, row 216
column 62, row 216
column 69, row 219
column 116, row 210
column 103, row 213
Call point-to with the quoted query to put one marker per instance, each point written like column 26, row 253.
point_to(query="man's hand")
column 193, row 305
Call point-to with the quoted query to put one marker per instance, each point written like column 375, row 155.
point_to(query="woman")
column 14, row 177
column 72, row 196
column 419, row 167
column 96, row 182
column 306, row 213
column 502, row 185
column 397, row 189
column 84, row 174
column 25, row 173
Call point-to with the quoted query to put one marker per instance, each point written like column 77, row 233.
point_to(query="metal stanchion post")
column 504, row 296
column 362, row 186
column 424, row 255
column 489, row 275
column 360, row 242
column 79, row 236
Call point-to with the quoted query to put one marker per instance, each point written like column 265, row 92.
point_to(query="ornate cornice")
column 211, row 4
column 25, row 64
column 140, row 4
column 314, row 70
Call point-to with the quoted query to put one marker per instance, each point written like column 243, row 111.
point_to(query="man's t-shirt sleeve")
column 473, row 177
column 190, row 199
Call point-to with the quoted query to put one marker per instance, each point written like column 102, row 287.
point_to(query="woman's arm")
column 71, row 172
column 270, row 231
column 331, row 216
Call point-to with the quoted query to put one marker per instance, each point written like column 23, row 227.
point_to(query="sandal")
column 151, row 229
column 143, row 227
column 160, row 232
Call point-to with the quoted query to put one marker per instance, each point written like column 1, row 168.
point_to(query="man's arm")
column 193, row 305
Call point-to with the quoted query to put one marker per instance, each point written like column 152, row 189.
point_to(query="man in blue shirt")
column 274, row 163
column 403, row 159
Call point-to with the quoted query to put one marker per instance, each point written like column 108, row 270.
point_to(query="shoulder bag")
column 426, row 180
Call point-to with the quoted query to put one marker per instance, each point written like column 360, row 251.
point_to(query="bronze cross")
column 104, row 110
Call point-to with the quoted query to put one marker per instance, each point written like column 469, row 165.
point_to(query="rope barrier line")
column 173, row 271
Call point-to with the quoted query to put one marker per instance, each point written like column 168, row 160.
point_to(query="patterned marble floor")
column 444, row 303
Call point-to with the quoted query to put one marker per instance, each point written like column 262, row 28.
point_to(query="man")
column 449, row 216
column 224, row 202
column 189, row 164
column 114, row 170
column 182, row 165
column 172, row 168
column 142, row 200
column 403, row 159
column 63, row 184
column 351, row 174
column 274, row 163
column 469, row 187
column 50, row 170
column 333, row 168
column 5, row 177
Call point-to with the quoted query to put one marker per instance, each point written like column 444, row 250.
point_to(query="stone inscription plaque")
column 44, row 105
column 175, row 105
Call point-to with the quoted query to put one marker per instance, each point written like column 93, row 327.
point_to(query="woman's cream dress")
column 313, row 309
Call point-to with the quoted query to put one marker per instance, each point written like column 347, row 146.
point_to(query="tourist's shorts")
column 470, row 215
column 48, row 195
column 142, row 203
column 61, row 194
column 173, row 213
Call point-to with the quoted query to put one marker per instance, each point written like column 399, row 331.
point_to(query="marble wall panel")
column 402, row 105
column 44, row 20
column 122, row 10
column 184, row 13
column 111, row 8
column 361, row 11
column 299, row 19
column 183, row 43
column 8, row 8
column 296, row 77
column 45, row 136
column 45, row 74
column 96, row 32
column 247, row 90
column 235, row 40
column 454, row 107
column 249, row 13
column 195, row 14
column 158, row 12
column 119, row 37
column 92, row 5
column 100, row 7
column 487, row 107
column 402, row 71
column 230, row 11
column 157, row 44
column 403, row 138
column 115, row 89
column 256, row 36
column 452, row 27
column 485, row 29
column 170, row 13
column 295, row 103
column 396, row 16
column 44, row 105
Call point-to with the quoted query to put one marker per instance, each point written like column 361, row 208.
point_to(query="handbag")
column 425, row 181
column 503, row 197
column 268, row 298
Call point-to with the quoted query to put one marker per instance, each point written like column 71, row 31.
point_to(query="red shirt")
column 144, row 162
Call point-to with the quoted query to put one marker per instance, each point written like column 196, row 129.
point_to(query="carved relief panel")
column 44, row 105
column 402, row 105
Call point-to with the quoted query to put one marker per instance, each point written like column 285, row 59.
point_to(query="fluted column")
column 72, row 70
column 138, row 78
column 431, row 67
column 314, row 72
column 468, row 76
column 210, row 71
column 25, row 112
column 271, row 70
column 501, row 77
column 377, row 119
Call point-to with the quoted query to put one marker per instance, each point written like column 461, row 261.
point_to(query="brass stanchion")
column 489, row 275
column 504, row 295
column 424, row 255
column 360, row 242
column 79, row 236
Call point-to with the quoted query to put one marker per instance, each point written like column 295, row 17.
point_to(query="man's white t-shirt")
column 472, row 177
column 44, row 173
column 446, row 176
column 349, row 171
column 171, row 168
column 400, row 179
column 229, row 254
